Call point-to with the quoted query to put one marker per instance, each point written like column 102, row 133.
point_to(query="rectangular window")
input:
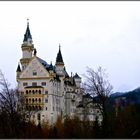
column 34, row 84
column 46, row 92
column 25, row 84
column 43, row 83
column 46, row 100
column 34, row 73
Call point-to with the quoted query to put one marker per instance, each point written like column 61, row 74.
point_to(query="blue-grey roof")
column 27, row 34
column 59, row 58
column 51, row 67
column 43, row 62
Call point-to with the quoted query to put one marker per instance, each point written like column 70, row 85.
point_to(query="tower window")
column 34, row 73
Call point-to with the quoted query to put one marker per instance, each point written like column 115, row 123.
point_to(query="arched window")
column 29, row 108
column 39, row 100
column 38, row 116
column 36, row 108
column 33, row 92
column 29, row 91
column 26, row 100
column 36, row 91
column 29, row 100
column 33, row 108
column 26, row 91
column 33, row 100
column 39, row 91
column 39, row 107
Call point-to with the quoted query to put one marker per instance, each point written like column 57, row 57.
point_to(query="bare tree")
column 13, row 110
column 26, row 113
column 8, row 107
column 99, row 88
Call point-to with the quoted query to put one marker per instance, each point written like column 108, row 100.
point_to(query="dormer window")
column 34, row 73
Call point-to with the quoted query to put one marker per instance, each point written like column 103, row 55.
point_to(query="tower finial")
column 59, row 46
column 27, row 21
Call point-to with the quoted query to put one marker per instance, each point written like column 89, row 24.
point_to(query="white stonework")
column 48, row 89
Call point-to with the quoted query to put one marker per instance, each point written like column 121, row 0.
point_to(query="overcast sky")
column 92, row 34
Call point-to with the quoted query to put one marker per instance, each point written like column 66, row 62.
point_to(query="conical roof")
column 27, row 35
column 59, row 58
column 18, row 68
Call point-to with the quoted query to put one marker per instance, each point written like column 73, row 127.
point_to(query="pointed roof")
column 59, row 58
column 18, row 68
column 77, row 76
column 51, row 67
column 43, row 62
column 27, row 35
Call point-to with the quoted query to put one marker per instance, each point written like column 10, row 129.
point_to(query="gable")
column 34, row 70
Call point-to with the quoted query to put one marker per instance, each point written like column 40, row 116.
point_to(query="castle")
column 48, row 89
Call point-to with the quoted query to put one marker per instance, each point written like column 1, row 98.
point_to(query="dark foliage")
column 121, row 122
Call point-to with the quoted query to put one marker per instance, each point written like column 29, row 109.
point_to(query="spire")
column 27, row 35
column 51, row 66
column 18, row 68
column 59, row 58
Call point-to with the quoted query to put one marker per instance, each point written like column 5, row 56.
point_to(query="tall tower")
column 27, row 48
column 59, row 63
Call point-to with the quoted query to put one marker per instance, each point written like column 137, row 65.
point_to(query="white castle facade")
column 48, row 89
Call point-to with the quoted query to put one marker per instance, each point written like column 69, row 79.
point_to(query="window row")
column 33, row 108
column 33, row 100
column 33, row 91
column 34, row 84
